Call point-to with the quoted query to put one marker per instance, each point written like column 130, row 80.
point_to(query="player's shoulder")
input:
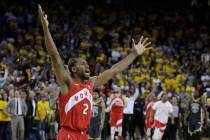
column 150, row 104
column 123, row 96
column 101, row 99
column 169, row 104
column 157, row 102
column 88, row 82
column 112, row 96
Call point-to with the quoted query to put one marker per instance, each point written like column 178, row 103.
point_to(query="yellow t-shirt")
column 3, row 115
column 43, row 108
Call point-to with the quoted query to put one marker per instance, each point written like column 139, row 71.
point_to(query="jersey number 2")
column 85, row 109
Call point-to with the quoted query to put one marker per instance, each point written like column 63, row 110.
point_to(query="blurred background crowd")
column 101, row 32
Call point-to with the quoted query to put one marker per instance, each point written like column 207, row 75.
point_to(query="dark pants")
column 18, row 128
column 106, row 129
column 41, row 131
column 171, row 130
column 127, row 125
column 29, row 121
column 5, row 130
column 139, row 122
column 196, row 136
column 183, row 132
column 94, row 129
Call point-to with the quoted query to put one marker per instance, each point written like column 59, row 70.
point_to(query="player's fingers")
column 145, row 41
column 147, row 44
column 133, row 42
column 39, row 8
column 41, row 13
column 149, row 48
column 45, row 16
column 141, row 39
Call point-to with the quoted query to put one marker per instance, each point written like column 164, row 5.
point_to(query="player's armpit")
column 62, row 77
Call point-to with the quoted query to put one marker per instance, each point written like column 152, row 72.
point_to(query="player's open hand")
column 142, row 45
column 43, row 17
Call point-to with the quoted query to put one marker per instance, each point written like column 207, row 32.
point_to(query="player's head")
column 96, row 93
column 174, row 100
column 17, row 94
column 128, row 93
column 196, row 94
column 164, row 97
column 151, row 97
column 116, row 90
column 79, row 68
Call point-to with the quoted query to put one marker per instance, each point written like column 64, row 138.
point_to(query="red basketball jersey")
column 148, row 111
column 76, row 106
column 115, row 104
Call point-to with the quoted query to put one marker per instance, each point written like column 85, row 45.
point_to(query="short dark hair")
column 164, row 93
column 71, row 63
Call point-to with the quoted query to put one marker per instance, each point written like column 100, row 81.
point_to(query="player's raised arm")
column 138, row 49
column 63, row 78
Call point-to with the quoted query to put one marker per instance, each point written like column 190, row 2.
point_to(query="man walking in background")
column 117, row 103
column 194, row 118
column 128, row 113
column 98, row 117
column 149, row 114
column 163, row 109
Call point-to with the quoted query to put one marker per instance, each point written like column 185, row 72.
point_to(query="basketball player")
column 75, row 101
column 117, row 103
column 163, row 109
column 149, row 115
column 98, row 117
column 195, row 115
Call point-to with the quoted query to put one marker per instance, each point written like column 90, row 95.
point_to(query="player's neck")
column 117, row 94
column 95, row 100
column 164, row 101
column 79, row 80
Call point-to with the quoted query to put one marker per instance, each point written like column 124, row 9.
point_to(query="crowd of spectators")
column 179, row 64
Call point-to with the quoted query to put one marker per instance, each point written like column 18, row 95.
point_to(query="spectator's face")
column 5, row 96
column 183, row 104
column 32, row 94
column 19, row 39
column 11, row 93
column 23, row 95
column 208, row 102
column 174, row 100
column 12, row 24
column 17, row 93
column 43, row 97
column 96, row 95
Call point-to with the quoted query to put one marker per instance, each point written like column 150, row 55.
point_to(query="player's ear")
column 73, row 69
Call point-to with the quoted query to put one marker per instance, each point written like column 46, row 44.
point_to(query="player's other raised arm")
column 138, row 49
column 62, row 76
